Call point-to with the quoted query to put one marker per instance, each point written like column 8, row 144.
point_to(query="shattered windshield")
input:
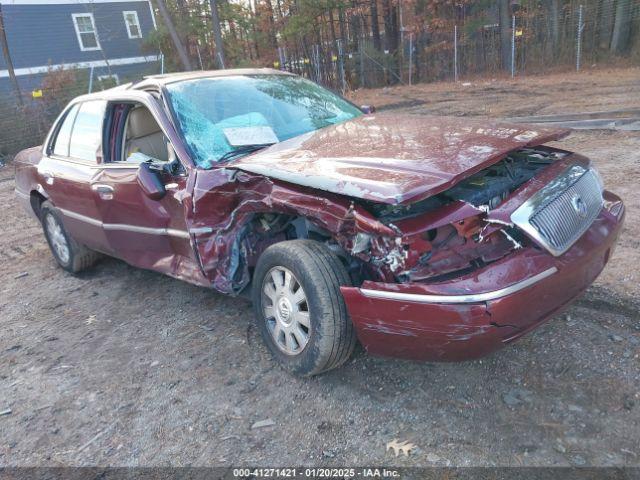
column 225, row 117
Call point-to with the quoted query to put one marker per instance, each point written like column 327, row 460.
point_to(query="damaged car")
column 426, row 238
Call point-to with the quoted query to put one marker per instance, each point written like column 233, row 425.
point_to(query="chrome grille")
column 560, row 214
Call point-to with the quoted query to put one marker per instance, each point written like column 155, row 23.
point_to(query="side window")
column 61, row 142
column 86, row 137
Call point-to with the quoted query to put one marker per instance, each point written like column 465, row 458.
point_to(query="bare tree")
column 217, row 32
column 605, row 24
column 272, row 26
column 175, row 38
column 554, row 8
column 375, row 26
column 8, row 61
column 392, row 30
column 505, row 33
column 621, row 27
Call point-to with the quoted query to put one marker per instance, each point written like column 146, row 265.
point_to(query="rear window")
column 61, row 143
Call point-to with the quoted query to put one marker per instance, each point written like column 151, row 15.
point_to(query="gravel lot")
column 125, row 367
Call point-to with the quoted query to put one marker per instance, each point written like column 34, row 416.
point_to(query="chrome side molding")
column 172, row 232
column 470, row 298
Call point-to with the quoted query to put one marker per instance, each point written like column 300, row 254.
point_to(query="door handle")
column 105, row 192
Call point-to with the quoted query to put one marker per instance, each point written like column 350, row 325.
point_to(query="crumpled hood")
column 393, row 158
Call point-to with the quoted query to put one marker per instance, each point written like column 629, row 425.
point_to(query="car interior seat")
column 145, row 136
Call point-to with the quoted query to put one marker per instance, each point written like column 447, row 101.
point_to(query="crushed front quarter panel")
column 225, row 200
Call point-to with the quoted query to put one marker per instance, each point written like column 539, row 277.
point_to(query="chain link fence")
column 535, row 43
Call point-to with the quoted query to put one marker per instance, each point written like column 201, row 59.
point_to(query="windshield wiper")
column 243, row 150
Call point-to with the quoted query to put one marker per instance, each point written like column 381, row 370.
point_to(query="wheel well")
column 275, row 227
column 36, row 199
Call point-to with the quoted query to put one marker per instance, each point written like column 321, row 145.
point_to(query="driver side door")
column 144, row 232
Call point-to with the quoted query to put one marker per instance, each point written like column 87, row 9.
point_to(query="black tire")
column 331, row 337
column 79, row 257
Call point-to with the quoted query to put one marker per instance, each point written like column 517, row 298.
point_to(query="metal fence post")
column 513, row 46
column 579, row 39
column 455, row 53
column 90, row 79
column 161, row 63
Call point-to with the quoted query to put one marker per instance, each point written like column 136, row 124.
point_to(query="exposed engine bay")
column 441, row 236
column 463, row 239
column 488, row 188
column 492, row 185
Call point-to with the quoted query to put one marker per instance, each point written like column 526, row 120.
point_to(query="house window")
column 133, row 24
column 86, row 31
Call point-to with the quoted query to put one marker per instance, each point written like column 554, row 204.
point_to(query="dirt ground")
column 125, row 367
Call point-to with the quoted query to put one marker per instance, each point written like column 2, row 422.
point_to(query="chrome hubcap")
column 286, row 310
column 57, row 238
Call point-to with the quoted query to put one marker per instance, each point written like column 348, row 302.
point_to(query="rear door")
column 68, row 167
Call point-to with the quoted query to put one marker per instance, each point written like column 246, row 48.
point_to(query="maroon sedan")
column 427, row 238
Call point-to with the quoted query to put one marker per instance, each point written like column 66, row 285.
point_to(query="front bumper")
column 474, row 315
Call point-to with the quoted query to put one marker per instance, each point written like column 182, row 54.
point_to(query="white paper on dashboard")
column 240, row 136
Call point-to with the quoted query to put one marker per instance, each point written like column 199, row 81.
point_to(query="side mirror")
column 150, row 182
column 368, row 109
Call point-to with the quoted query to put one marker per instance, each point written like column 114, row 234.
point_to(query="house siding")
column 44, row 34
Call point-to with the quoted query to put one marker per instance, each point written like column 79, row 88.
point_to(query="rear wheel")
column 299, row 308
column 69, row 254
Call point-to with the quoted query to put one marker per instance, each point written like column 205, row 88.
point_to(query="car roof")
column 181, row 76
column 154, row 82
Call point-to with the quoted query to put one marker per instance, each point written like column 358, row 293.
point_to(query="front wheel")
column 299, row 308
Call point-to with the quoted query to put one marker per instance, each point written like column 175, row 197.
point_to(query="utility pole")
column 182, row 53
column 215, row 18
column 8, row 61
